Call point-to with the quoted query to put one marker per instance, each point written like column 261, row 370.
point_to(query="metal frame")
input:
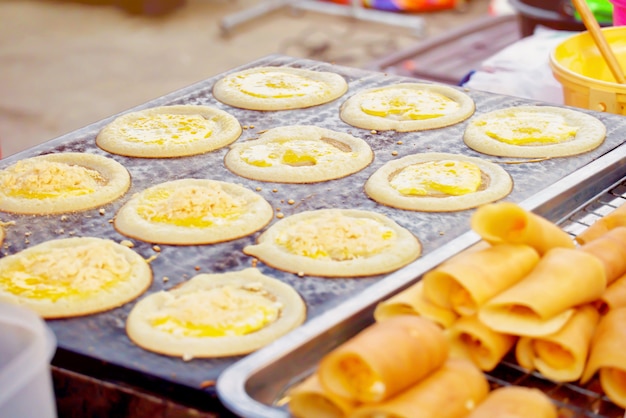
column 355, row 10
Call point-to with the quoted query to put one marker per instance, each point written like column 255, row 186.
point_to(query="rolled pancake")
column 613, row 297
column 561, row 356
column 603, row 225
column 367, row 370
column 610, row 248
column 609, row 357
column 506, row 222
column 544, row 300
column 465, row 282
column 451, row 391
column 310, row 399
column 479, row 343
column 411, row 301
column 515, row 402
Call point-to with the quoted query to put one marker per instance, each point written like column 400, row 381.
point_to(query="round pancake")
column 534, row 132
column 279, row 88
column 405, row 107
column 299, row 154
column 73, row 276
column 169, row 131
column 438, row 182
column 216, row 315
column 61, row 183
column 336, row 243
column 193, row 212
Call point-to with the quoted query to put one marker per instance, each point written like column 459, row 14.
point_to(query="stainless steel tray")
column 255, row 386
column 337, row 307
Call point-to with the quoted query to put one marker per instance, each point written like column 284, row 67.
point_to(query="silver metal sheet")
column 102, row 336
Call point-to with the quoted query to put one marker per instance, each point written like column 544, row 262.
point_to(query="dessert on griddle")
column 534, row 132
column 193, row 211
column 438, row 182
column 169, row 131
column 299, row 154
column 279, row 88
column 406, row 107
column 61, row 183
column 216, row 315
column 336, row 243
column 73, row 276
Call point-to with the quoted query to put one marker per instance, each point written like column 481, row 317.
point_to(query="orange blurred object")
column 407, row 5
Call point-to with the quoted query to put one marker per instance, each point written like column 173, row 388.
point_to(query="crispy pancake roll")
column 608, row 356
column 468, row 280
column 613, row 297
column 610, row 248
column 384, row 359
column 542, row 302
column 506, row 222
column 603, row 225
column 411, row 301
column 479, row 343
column 561, row 356
column 451, row 391
column 309, row 399
column 515, row 402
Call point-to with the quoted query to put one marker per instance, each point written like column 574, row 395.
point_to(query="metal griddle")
column 100, row 339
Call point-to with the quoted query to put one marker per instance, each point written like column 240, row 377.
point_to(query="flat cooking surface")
column 102, row 337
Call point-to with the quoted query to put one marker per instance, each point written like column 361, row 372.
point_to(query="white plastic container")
column 26, row 348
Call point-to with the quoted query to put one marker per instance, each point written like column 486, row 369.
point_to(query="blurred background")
column 67, row 63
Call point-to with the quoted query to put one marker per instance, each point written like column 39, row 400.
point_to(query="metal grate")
column 571, row 399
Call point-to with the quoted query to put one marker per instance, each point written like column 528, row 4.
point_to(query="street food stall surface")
column 97, row 345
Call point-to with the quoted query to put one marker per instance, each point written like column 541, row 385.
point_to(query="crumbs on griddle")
column 127, row 243
column 207, row 384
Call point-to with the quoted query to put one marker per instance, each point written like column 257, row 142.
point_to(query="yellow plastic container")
column 586, row 78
